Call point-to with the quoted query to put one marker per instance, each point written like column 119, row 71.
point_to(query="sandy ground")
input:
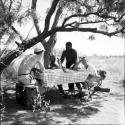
column 104, row 108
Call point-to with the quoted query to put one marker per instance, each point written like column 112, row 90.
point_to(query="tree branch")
column 14, row 29
column 77, row 15
column 118, row 31
column 11, row 2
column 75, row 22
column 93, row 30
column 26, row 45
column 120, row 18
column 2, row 4
column 50, row 13
column 56, row 20
column 44, row 35
column 96, row 14
column 35, row 19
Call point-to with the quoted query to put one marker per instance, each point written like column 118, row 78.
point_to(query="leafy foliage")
column 10, row 13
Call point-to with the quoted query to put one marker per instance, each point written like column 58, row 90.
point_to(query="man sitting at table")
column 30, row 62
column 86, row 67
column 89, row 68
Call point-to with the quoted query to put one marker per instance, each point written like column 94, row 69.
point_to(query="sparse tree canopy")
column 105, row 17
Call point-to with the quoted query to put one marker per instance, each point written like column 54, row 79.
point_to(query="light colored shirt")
column 29, row 62
column 90, row 70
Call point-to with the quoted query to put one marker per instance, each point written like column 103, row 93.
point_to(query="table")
column 57, row 76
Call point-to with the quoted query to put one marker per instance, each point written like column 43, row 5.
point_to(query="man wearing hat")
column 31, row 79
column 29, row 62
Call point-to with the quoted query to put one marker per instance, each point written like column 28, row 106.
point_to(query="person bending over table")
column 70, row 55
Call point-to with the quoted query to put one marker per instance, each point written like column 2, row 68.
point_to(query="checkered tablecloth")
column 57, row 76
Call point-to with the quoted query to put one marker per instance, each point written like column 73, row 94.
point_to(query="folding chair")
column 78, row 85
column 80, row 94
column 84, row 85
column 83, row 91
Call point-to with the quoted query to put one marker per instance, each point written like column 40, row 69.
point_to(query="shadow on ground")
column 61, row 110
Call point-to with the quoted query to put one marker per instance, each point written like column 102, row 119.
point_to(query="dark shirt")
column 71, row 57
column 53, row 65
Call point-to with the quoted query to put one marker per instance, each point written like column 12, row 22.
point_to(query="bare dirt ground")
column 104, row 108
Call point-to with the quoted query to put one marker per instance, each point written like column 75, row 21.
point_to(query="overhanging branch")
column 77, row 15
column 34, row 16
column 88, row 22
column 96, row 14
column 50, row 13
column 6, row 61
column 93, row 30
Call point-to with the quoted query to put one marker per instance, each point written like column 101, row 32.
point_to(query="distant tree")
column 105, row 17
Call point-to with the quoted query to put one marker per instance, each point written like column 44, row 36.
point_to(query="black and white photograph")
column 62, row 62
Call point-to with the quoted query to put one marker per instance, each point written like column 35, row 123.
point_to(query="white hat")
column 37, row 50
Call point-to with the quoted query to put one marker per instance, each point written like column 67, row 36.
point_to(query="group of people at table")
column 32, row 62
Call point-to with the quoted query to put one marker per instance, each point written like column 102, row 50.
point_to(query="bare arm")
column 63, row 56
column 40, row 66
column 75, row 67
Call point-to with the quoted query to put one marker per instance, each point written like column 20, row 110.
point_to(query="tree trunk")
column 48, row 45
column 52, row 40
column 46, row 59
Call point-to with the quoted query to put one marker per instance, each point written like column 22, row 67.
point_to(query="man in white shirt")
column 28, row 63
column 31, row 71
column 87, row 68
column 34, row 84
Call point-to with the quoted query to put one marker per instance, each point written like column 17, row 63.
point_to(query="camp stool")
column 29, row 95
column 19, row 93
column 26, row 94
